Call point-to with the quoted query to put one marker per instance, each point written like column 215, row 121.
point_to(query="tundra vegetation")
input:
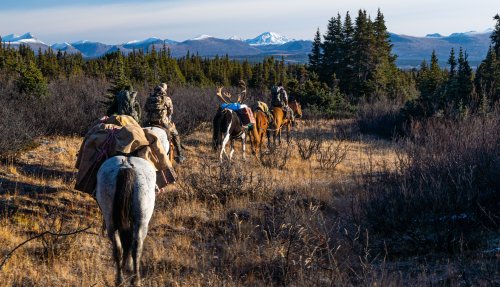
column 391, row 177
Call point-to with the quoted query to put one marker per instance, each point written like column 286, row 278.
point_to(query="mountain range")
column 410, row 50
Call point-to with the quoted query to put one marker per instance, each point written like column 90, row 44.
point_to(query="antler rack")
column 225, row 96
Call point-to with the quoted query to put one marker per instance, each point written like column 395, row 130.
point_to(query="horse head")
column 296, row 108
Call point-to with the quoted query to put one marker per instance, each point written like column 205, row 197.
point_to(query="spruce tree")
column 32, row 81
column 385, row 80
column 495, row 36
column 382, row 40
column 363, row 64
column 453, row 63
column 464, row 79
column 488, row 73
column 430, row 79
column 452, row 84
column 119, row 82
column 332, row 50
column 347, row 61
column 315, row 55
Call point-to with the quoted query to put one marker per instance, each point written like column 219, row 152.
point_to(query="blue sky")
column 113, row 21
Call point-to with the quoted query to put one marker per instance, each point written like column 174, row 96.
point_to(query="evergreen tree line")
column 34, row 70
column 356, row 58
column 456, row 89
column 351, row 63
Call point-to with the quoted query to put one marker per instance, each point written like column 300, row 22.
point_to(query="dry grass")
column 293, row 226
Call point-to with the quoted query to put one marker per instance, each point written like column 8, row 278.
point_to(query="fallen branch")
column 41, row 235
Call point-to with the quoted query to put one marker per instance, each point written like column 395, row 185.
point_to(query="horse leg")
column 224, row 143
column 137, row 246
column 232, row 150
column 288, row 132
column 268, row 134
column 118, row 255
column 127, row 260
column 253, row 141
column 243, row 142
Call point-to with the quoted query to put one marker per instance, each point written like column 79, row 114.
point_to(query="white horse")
column 125, row 193
column 162, row 136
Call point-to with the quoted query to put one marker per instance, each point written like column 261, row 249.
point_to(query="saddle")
column 118, row 135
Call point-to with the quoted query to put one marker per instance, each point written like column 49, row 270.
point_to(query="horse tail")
column 122, row 213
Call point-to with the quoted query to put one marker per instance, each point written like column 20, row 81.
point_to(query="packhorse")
column 259, row 130
column 227, row 128
column 125, row 192
column 166, row 143
column 280, row 120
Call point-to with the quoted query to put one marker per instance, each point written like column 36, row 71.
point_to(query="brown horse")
column 296, row 108
column 280, row 120
column 259, row 130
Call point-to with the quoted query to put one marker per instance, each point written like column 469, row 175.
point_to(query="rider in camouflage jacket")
column 159, row 110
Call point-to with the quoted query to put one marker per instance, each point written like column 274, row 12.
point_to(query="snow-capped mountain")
column 27, row 38
column 91, row 49
column 268, row 38
column 64, row 47
column 409, row 49
column 61, row 46
column 201, row 37
column 237, row 38
column 144, row 44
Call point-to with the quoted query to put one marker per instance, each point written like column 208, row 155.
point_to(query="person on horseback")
column 159, row 110
column 279, row 98
column 125, row 102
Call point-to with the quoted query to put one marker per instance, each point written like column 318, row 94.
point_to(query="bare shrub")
column 380, row 117
column 218, row 182
column 276, row 156
column 55, row 246
column 446, row 184
column 69, row 108
column 331, row 154
column 308, row 145
column 193, row 106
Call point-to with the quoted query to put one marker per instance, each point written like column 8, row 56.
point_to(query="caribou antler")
column 225, row 96
column 243, row 94
column 221, row 96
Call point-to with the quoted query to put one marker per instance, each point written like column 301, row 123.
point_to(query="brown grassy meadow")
column 281, row 221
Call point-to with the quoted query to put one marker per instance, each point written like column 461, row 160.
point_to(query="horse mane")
column 122, row 205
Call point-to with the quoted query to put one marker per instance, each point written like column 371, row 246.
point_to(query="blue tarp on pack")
column 231, row 106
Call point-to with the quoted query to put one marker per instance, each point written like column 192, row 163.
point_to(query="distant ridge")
column 409, row 49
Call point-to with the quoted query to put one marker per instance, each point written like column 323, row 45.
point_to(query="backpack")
column 126, row 104
column 276, row 96
column 155, row 106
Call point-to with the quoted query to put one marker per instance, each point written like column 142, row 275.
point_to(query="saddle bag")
column 246, row 116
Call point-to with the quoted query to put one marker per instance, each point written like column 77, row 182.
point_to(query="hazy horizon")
column 112, row 21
